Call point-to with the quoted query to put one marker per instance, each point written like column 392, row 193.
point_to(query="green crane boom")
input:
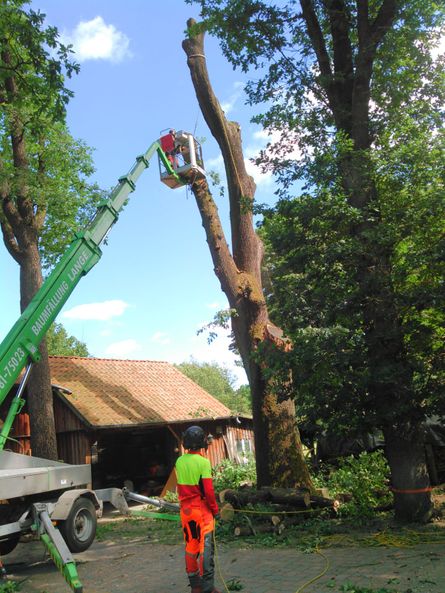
column 20, row 347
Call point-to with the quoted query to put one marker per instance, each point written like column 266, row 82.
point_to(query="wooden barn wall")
column 225, row 437
column 64, row 418
column 74, row 447
column 20, row 430
column 73, row 440
column 217, row 451
column 20, row 435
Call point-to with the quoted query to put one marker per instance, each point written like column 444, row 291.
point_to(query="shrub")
column 229, row 474
column 10, row 586
column 364, row 477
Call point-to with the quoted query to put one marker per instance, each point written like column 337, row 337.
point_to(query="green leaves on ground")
column 229, row 474
column 366, row 478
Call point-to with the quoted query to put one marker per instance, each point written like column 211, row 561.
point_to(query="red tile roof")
column 128, row 392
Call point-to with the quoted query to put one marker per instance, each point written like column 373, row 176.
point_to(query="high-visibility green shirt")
column 194, row 476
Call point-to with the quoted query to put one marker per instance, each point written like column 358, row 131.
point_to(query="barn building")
column 126, row 417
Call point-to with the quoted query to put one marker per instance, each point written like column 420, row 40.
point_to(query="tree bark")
column 20, row 223
column 39, row 391
column 410, row 481
column 282, row 496
column 278, row 450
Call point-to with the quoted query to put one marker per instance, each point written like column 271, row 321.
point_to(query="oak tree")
column 335, row 77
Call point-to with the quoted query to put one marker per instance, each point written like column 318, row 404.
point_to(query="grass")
column 312, row 533
column 140, row 529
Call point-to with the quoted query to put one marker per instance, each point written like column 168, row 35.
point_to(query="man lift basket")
column 185, row 156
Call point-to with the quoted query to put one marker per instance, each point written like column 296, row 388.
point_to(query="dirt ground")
column 137, row 560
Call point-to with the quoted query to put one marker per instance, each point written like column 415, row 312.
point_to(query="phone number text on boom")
column 12, row 366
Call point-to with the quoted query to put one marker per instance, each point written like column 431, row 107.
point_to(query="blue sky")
column 154, row 286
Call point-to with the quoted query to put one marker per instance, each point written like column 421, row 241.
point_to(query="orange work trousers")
column 198, row 525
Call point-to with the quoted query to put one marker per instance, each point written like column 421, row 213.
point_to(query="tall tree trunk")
column 278, row 450
column 21, row 224
column 410, row 481
column 39, row 392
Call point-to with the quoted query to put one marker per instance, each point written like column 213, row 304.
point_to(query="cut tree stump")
column 278, row 529
column 319, row 502
column 226, row 512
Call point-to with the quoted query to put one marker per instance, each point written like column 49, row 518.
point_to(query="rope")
column 318, row 576
column 301, row 588
column 276, row 512
column 217, row 563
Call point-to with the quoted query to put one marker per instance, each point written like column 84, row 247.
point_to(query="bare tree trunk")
column 20, row 224
column 39, row 392
column 279, row 456
column 409, row 475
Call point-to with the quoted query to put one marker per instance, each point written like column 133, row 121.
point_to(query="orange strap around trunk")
column 414, row 491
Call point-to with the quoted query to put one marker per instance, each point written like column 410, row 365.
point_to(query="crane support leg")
column 56, row 546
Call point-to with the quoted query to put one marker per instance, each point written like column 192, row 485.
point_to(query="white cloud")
column 214, row 306
column 215, row 163
column 160, row 338
column 97, row 311
column 217, row 351
column 95, row 40
column 229, row 105
column 260, row 139
column 122, row 349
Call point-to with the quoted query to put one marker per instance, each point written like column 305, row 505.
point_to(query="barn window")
column 244, row 449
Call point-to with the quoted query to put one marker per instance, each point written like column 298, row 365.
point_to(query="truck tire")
column 8, row 545
column 79, row 529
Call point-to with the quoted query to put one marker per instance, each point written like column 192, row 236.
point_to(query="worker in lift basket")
column 198, row 510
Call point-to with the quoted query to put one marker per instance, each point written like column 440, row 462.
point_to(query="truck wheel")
column 79, row 529
column 8, row 545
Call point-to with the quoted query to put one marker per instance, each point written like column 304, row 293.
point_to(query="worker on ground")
column 198, row 510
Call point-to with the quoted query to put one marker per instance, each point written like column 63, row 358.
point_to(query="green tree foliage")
column 60, row 343
column 44, row 189
column 312, row 256
column 42, row 166
column 219, row 382
column 229, row 474
column 297, row 99
column 357, row 260
column 366, row 479
column 319, row 242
